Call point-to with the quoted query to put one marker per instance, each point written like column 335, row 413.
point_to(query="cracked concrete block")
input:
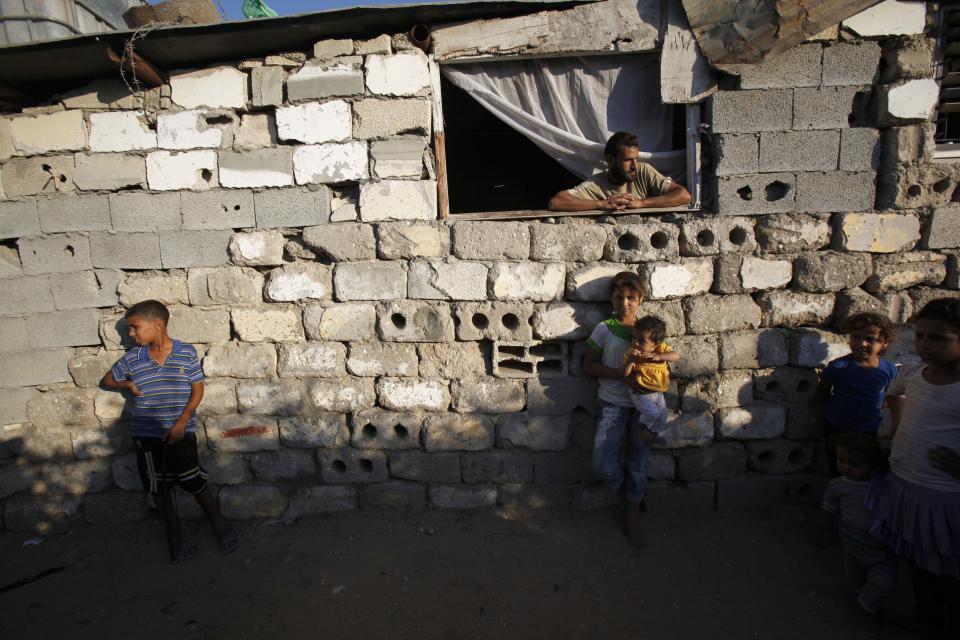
column 799, row 66
column 182, row 249
column 331, row 162
column 799, row 150
column 753, row 349
column 398, row 200
column 341, row 76
column 379, row 429
column 342, row 242
column 326, row 430
column 851, row 63
column 291, row 207
column 109, row 171
column 60, row 131
column 828, row 271
column 88, row 368
column 299, row 281
column 400, row 157
column 751, row 111
column 250, row 501
column 792, row 309
column 836, row 191
column 793, row 233
column 402, row 74
column 382, row 359
column 384, row 118
column 447, row 280
column 721, row 460
column 567, row 242
column 39, row 366
column 413, row 321
column 908, row 58
column 145, row 211
column 509, row 321
column 240, row 360
column 322, row 359
column 827, row 107
column 18, row 219
column 59, row 214
column 859, row 149
column 876, row 232
column 342, row 394
column 406, row 240
column 188, row 130
column 344, row 321
column 906, row 102
column 537, row 433
column 941, row 231
column 566, row 320
column 275, row 398
column 378, row 45
column 314, row 122
column 370, row 281
column 699, row 356
column 224, row 285
column 714, row 314
column 537, row 282
column 120, row 131
column 256, row 130
column 188, row 170
column 905, row 270
column 26, row 295
column 815, row 348
column 690, row 276
column 224, row 87
column 488, row 395
column 268, row 167
column 61, row 253
column 266, row 86
column 257, row 248
column 451, row 360
column 755, row 194
column 168, row 288
column 236, row 433
column 642, row 242
column 30, row 176
column 491, row 240
column 710, row 236
column 456, row 432
column 736, row 153
column 274, row 323
column 896, row 306
column 755, row 422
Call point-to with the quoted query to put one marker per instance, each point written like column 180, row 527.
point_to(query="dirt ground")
column 436, row 575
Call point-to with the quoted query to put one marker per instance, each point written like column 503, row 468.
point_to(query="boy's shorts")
column 163, row 465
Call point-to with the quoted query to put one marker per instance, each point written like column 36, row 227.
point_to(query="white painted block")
column 331, row 162
column 398, row 200
column 756, row 273
column 194, row 170
column 914, row 99
column 889, row 18
column 268, row 167
column 186, row 130
column 120, row 131
column 315, row 122
column 403, row 74
column 217, row 87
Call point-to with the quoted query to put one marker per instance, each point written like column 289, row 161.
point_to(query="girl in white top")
column 916, row 507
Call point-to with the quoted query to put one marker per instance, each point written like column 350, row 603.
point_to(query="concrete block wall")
column 361, row 354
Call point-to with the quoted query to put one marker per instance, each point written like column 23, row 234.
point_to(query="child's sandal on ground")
column 183, row 551
column 229, row 540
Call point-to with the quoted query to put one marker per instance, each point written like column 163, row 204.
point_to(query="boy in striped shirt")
column 166, row 382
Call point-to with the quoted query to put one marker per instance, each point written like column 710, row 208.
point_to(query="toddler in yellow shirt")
column 648, row 376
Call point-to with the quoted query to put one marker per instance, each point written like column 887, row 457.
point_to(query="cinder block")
column 488, row 396
column 713, row 314
column 455, row 432
column 240, row 360
column 796, row 67
column 295, row 207
column 383, row 359
column 851, row 63
column 836, row 191
column 257, row 248
column 257, row 130
column 493, row 321
column 564, row 320
column 273, row 323
column 491, row 240
column 412, row 321
column 828, row 271
column 342, row 394
column 249, row 501
column 384, row 118
column 272, row 397
column 265, row 167
column 756, row 422
column 593, row 282
column 537, row 433
column 447, row 280
column 35, row 444
column 327, row 49
column 567, row 242
column 897, row 306
column 828, row 107
column 30, row 176
column 721, row 460
column 325, row 430
column 409, row 394
column 699, row 356
column 905, row 270
column 74, row 213
column 200, row 326
column 710, row 236
column 26, row 295
column 312, row 500
column 642, row 242
column 218, row 209
column 379, row 429
column 109, row 171
column 405, row 240
column 223, row 86
column 497, row 466
column 65, row 328
column 58, row 131
column 753, row 194
column 341, row 76
column 180, row 249
column 266, row 86
column 331, row 162
column 450, row 360
column 815, row 348
column 689, row 277
column 370, row 281
column 425, row 467
column 907, row 144
column 299, row 281
column 18, row 219
column 62, row 253
column 526, row 360
column 241, row 433
column 344, row 321
column 13, row 409
column 736, row 153
column 144, row 211
column 907, row 58
column 751, row 111
column 753, row 349
column 942, row 229
column 28, row 368
column 350, row 466
column 793, row 233
column 859, row 149
column 224, row 285
column 187, row 170
column 191, row 129
column 85, row 476
column 323, row 359
column 398, row 200
column 408, row 496
column 539, row 282
column 560, row 397
column 400, row 157
column 402, row 74
column 314, row 122
column 876, row 232
column 799, row 150
column 906, row 102
column 757, row 274
column 342, row 242
column 120, row 131
column 792, row 309
column 10, row 263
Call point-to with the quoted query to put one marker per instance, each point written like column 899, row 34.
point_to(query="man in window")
column 628, row 183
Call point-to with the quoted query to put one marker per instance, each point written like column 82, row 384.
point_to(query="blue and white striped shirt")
column 166, row 388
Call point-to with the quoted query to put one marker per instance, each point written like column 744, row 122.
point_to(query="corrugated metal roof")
column 43, row 68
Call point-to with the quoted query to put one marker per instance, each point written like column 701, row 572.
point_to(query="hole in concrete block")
column 401, row 431
column 776, row 190
column 914, row 190
column 546, row 349
column 956, row 195
column 511, row 350
column 803, row 386
column 705, row 238
column 45, row 167
column 516, row 365
column 745, row 193
column 738, row 235
column 339, row 466
column 941, row 186
column 480, row 321
column 550, row 367
column 510, row 321
column 766, row 457
column 218, row 119
column 659, row 240
column 69, row 250
column 366, row 465
column 369, row 431
column 206, row 174
column 398, row 320
column 773, row 386
column 628, row 242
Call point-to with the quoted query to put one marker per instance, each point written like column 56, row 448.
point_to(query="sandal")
column 229, row 539
column 183, row 551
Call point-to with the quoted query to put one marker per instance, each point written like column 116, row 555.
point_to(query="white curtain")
column 570, row 106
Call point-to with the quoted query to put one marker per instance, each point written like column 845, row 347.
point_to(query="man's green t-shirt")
column 649, row 182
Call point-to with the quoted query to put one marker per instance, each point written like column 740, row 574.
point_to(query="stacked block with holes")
column 359, row 353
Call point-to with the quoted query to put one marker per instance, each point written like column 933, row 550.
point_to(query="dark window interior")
column 491, row 167
column 948, row 111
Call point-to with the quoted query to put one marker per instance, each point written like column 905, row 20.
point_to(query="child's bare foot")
column 634, row 530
